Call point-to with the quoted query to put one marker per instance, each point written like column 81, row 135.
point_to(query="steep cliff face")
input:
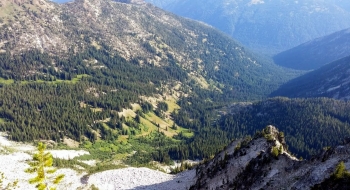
column 264, row 163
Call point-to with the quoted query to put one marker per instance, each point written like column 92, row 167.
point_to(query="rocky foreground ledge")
column 14, row 157
column 261, row 162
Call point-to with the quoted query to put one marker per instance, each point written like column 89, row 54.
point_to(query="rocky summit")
column 265, row 163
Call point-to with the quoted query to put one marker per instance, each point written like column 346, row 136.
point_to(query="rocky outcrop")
column 264, row 163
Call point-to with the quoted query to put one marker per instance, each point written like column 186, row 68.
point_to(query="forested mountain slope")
column 308, row 124
column 269, row 26
column 316, row 53
column 331, row 80
column 141, row 34
column 120, row 78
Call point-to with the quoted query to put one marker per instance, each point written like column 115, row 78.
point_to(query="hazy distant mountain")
column 267, row 25
column 331, row 80
column 315, row 53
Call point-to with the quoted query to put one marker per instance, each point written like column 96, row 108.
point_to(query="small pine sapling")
column 42, row 166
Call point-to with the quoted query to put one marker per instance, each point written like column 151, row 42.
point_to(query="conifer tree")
column 42, row 166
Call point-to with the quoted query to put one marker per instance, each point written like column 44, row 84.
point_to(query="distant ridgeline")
column 332, row 80
column 316, row 53
column 266, row 26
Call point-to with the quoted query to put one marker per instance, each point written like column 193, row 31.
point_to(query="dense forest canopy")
column 331, row 80
column 308, row 124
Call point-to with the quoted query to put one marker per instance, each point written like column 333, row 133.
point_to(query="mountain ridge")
column 150, row 37
column 286, row 25
column 317, row 52
column 331, row 81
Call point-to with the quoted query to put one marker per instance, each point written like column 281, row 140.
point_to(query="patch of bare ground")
column 70, row 142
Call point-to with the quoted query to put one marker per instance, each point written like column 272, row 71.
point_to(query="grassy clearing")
column 147, row 127
column 2, row 120
column 96, row 109
column 172, row 106
column 165, row 125
column 171, row 132
column 127, row 113
column 73, row 81
column 6, row 82
column 121, row 156
column 82, row 167
column 153, row 118
column 185, row 132
column 136, row 107
column 135, row 148
column 123, row 139
column 58, row 81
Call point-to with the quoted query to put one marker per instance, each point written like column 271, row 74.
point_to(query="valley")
column 129, row 96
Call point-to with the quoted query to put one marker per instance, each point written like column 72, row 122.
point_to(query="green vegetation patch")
column 2, row 120
column 172, row 106
column 56, row 81
column 185, row 132
column 6, row 81
column 156, row 120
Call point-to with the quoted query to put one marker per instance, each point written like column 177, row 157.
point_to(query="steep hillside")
column 264, row 163
column 121, row 77
column 269, row 26
column 327, row 121
column 331, row 80
column 316, row 53
column 143, row 35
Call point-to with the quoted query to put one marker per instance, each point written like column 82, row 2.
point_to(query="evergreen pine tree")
column 42, row 166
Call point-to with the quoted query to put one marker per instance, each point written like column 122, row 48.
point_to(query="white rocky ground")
column 67, row 154
column 14, row 157
column 141, row 178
